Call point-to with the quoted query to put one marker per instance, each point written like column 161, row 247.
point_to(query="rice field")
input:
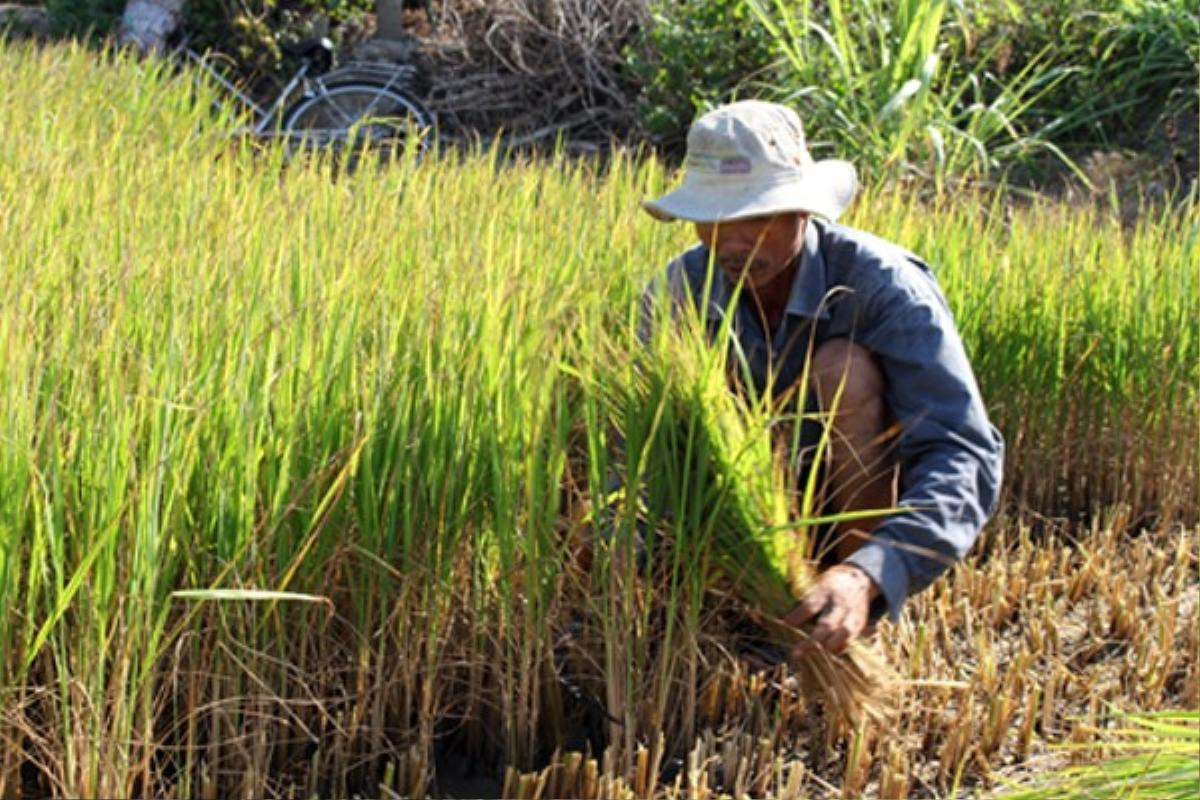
column 306, row 481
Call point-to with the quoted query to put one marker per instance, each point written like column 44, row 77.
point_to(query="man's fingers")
column 840, row 604
column 833, row 632
column 810, row 606
column 803, row 651
column 852, row 624
column 856, row 622
column 837, row 640
column 829, row 624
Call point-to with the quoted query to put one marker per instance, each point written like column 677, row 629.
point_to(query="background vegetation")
column 304, row 481
column 934, row 86
column 1102, row 91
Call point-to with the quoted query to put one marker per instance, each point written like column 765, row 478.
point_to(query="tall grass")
column 386, row 393
column 877, row 79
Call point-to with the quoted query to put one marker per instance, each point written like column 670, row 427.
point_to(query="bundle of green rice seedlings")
column 722, row 442
column 1150, row 755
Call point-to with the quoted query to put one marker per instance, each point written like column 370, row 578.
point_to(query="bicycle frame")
column 265, row 119
column 389, row 76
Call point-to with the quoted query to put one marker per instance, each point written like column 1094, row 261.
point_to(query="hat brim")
column 824, row 188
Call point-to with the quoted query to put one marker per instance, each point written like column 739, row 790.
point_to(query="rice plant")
column 1152, row 756
column 307, row 481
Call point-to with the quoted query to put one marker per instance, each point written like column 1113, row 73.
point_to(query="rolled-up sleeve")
column 951, row 456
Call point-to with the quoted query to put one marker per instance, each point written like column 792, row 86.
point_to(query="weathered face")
column 760, row 247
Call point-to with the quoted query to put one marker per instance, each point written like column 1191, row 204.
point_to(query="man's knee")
column 841, row 365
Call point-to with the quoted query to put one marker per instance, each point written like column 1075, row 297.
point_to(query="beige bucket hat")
column 749, row 159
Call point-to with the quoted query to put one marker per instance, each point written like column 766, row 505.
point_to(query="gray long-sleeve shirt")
column 856, row 286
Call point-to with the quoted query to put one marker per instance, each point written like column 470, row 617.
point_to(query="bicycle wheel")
column 351, row 118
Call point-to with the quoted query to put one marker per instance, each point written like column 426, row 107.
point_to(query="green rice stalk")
column 1155, row 757
column 719, row 444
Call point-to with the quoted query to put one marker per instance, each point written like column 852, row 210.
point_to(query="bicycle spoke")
column 348, row 118
column 371, row 106
column 332, row 102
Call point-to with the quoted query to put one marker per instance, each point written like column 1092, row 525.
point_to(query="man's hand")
column 840, row 602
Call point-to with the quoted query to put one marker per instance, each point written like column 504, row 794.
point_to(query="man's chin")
column 752, row 273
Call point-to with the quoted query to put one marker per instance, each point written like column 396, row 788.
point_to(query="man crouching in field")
column 880, row 333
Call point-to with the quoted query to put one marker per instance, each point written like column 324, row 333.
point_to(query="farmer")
column 886, row 357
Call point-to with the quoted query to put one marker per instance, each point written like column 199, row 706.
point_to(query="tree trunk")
column 388, row 22
column 148, row 23
column 390, row 42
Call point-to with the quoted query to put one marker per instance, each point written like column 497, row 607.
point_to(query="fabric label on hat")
column 735, row 166
column 722, row 166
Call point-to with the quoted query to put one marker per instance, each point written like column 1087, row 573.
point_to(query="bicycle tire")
column 335, row 120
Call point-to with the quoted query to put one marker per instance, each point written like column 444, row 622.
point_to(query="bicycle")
column 356, row 107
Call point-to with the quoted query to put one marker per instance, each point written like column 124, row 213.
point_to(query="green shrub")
column 881, row 82
column 692, row 56
column 249, row 31
column 79, row 17
column 935, row 86
column 1128, row 61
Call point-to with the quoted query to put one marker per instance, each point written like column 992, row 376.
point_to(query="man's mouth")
column 735, row 265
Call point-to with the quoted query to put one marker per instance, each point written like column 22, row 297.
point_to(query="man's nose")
column 736, row 238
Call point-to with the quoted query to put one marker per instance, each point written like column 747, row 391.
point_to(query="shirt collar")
column 809, row 286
